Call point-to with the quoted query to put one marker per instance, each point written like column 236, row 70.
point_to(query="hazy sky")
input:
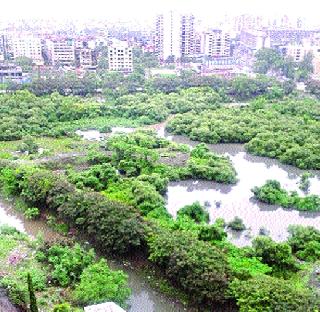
column 145, row 9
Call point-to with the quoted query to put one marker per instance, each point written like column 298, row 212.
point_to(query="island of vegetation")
column 112, row 193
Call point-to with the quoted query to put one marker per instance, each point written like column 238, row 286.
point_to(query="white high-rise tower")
column 167, row 35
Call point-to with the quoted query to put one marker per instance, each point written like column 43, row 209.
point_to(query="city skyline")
column 142, row 10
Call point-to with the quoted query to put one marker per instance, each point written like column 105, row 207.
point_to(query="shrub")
column 277, row 255
column 97, row 177
column 28, row 145
column 195, row 211
column 264, row 293
column 99, row 284
column 63, row 307
column 32, row 296
column 31, row 213
column 36, row 185
column 236, row 224
column 117, row 227
column 213, row 232
column 67, row 262
column 17, row 291
column 198, row 267
column 155, row 179
column 272, row 193
column 304, row 241
column 8, row 230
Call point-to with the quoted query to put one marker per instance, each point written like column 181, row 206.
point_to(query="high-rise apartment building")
column 216, row 43
column 187, row 36
column 26, row 46
column 3, row 47
column 167, row 36
column 120, row 57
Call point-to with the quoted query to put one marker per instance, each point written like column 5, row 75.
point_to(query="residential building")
column 86, row 58
column 26, row 46
column 61, row 51
column 187, row 36
column 167, row 36
column 85, row 53
column 3, row 47
column 10, row 72
column 254, row 40
column 216, row 43
column 296, row 51
column 120, row 57
column 280, row 37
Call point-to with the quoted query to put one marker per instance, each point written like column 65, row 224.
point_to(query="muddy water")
column 10, row 217
column 143, row 298
column 228, row 201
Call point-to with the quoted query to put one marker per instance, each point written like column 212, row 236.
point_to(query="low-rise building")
column 120, row 57
column 10, row 72
column 61, row 51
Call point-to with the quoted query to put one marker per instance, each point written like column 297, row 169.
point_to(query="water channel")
column 143, row 298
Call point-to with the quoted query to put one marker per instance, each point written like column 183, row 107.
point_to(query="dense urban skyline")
column 143, row 10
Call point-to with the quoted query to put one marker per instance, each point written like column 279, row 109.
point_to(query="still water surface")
column 228, row 201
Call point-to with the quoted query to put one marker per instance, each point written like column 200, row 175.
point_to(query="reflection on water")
column 236, row 200
column 91, row 135
column 10, row 217
column 144, row 298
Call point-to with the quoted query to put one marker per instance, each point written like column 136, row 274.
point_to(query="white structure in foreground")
column 104, row 307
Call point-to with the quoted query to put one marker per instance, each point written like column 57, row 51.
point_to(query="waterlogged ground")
column 225, row 201
column 143, row 298
column 228, row 201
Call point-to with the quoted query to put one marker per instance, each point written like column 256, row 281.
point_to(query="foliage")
column 264, row 293
column 117, row 227
column 243, row 264
column 24, row 62
column 277, row 255
column 28, row 145
column 236, row 224
column 197, row 267
column 270, row 60
column 156, row 180
column 63, row 307
column 31, row 213
column 272, row 193
column 304, row 183
column 99, row 284
column 212, row 232
column 207, row 165
column 305, row 242
column 32, row 297
column 67, row 262
column 287, row 130
column 96, row 177
column 195, row 211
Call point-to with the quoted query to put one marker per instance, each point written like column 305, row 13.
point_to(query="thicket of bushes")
column 196, row 257
column 272, row 193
